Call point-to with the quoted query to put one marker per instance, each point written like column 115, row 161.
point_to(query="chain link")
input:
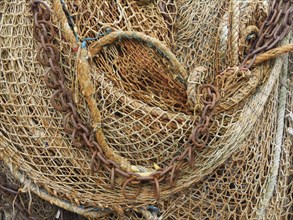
column 62, row 101
column 276, row 26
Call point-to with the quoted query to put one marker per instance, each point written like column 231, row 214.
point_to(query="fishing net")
column 149, row 109
column 16, row 202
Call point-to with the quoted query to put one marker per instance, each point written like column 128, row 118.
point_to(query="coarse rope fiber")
column 273, row 53
column 136, row 72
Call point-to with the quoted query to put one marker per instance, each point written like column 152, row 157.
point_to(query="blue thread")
column 83, row 44
column 149, row 44
column 153, row 209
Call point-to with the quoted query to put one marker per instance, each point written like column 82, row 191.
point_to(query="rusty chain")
column 276, row 26
column 62, row 101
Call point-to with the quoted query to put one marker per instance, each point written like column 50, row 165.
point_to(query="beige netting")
column 135, row 71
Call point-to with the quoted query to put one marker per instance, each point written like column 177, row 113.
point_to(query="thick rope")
column 152, row 42
column 84, row 77
column 273, row 53
column 92, row 213
column 235, row 20
column 69, row 34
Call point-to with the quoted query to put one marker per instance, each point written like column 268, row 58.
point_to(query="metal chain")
column 62, row 101
column 276, row 26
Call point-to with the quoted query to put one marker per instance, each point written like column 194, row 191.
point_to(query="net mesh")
column 14, row 204
column 149, row 103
